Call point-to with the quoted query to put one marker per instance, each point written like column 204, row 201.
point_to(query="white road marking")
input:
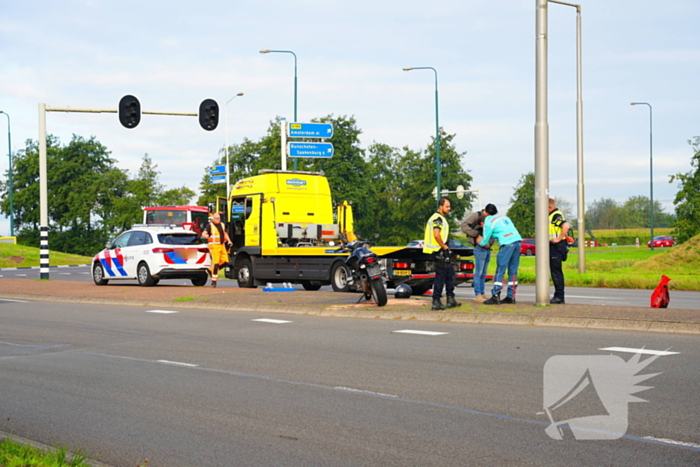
column 423, row 333
column 168, row 362
column 273, row 321
column 86, row 273
column 671, row 441
column 641, row 351
column 362, row 391
column 65, row 273
column 10, row 300
column 21, row 275
column 161, row 311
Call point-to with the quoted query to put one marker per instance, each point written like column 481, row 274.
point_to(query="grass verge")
column 626, row 268
column 19, row 256
column 13, row 454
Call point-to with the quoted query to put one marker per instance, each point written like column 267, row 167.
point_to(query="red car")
column 662, row 241
column 527, row 247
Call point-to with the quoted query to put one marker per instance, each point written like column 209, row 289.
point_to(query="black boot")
column 437, row 304
column 508, row 300
column 452, row 303
column 494, row 300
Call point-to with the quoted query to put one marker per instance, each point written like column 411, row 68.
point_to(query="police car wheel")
column 143, row 274
column 199, row 281
column 98, row 274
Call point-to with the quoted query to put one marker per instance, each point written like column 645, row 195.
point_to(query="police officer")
column 437, row 232
column 558, row 228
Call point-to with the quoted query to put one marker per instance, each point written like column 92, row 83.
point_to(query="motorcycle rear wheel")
column 378, row 291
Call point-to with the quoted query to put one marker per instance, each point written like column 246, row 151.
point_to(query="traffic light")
column 129, row 111
column 209, row 114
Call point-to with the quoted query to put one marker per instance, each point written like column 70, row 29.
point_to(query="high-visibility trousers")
column 218, row 254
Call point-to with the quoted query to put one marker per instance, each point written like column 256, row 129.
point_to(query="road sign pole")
column 283, row 135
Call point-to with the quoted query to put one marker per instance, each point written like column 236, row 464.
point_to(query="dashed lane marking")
column 422, row 333
column 165, row 312
column 168, row 362
column 272, row 321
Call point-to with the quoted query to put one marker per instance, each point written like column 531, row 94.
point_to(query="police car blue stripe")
column 106, row 267
column 175, row 258
column 119, row 266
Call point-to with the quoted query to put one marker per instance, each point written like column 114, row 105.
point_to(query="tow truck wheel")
column 339, row 278
column 98, row 275
column 143, row 274
column 245, row 274
column 308, row 285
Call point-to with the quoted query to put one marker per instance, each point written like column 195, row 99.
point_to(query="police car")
column 151, row 253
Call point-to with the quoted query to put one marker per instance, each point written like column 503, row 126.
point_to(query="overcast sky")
column 173, row 54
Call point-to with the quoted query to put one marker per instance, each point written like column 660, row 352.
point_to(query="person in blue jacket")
column 509, row 240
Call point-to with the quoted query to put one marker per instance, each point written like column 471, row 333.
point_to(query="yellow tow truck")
column 283, row 229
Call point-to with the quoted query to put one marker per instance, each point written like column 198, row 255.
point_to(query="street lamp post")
column 9, row 172
column 228, row 175
column 579, row 144
column 267, row 51
column 651, row 172
column 438, row 164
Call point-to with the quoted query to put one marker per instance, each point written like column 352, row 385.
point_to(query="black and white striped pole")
column 130, row 116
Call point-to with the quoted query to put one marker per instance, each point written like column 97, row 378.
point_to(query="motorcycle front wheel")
column 378, row 291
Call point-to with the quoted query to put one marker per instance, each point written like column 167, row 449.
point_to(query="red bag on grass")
column 660, row 297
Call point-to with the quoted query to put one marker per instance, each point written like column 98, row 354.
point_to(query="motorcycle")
column 365, row 271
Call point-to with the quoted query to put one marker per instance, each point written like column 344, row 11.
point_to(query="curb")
column 611, row 324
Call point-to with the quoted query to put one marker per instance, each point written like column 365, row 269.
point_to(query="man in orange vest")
column 215, row 232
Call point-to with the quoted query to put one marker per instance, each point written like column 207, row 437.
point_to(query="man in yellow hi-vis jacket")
column 215, row 232
column 437, row 233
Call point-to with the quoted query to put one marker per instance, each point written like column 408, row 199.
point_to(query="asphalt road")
column 192, row 387
column 575, row 295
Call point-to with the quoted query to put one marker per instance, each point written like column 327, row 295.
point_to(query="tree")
column 522, row 206
column 634, row 213
column 687, row 201
column 603, row 214
column 89, row 198
column 417, row 171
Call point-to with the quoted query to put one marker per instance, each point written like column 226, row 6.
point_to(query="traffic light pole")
column 43, row 190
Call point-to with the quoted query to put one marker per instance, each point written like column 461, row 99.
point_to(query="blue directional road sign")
column 218, row 170
column 310, row 130
column 217, row 179
column 310, row 150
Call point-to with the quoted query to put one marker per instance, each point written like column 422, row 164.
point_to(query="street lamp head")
column 239, row 94
column 265, row 51
column 408, row 69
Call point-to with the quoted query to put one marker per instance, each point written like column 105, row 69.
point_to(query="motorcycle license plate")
column 402, row 272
